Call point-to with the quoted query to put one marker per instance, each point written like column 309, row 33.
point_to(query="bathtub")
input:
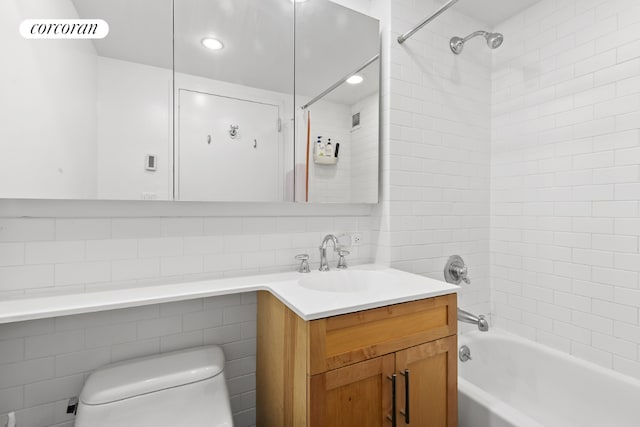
column 512, row 382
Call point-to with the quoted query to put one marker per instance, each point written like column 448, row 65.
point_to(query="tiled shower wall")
column 44, row 362
column 566, row 179
column 439, row 150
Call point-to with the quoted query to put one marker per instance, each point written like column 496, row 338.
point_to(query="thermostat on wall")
column 150, row 162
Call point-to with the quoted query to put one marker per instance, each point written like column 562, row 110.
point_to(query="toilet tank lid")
column 135, row 377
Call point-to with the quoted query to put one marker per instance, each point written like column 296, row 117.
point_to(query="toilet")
column 181, row 388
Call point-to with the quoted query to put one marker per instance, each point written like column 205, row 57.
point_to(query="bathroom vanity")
column 386, row 366
column 339, row 347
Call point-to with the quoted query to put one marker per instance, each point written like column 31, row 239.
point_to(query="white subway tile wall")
column 44, row 362
column 70, row 255
column 439, row 149
column 565, row 181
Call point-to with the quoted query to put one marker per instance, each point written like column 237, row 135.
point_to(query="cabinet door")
column 356, row 395
column 433, row 384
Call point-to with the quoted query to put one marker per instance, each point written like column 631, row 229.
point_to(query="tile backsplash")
column 75, row 254
column 44, row 362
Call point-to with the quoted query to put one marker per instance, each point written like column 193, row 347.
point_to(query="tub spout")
column 466, row 317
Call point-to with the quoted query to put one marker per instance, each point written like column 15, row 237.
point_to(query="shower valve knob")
column 455, row 271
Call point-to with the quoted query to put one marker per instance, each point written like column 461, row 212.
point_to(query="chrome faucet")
column 466, row 317
column 324, row 264
column 455, row 271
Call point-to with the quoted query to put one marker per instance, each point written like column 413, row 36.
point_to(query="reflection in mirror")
column 234, row 102
column 337, row 103
column 87, row 119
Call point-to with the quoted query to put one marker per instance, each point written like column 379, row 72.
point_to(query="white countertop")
column 309, row 304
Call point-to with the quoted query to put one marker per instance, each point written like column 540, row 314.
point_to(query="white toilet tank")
column 182, row 388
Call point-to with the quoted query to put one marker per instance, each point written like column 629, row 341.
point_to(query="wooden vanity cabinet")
column 339, row 371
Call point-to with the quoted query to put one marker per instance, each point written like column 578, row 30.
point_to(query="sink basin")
column 349, row 281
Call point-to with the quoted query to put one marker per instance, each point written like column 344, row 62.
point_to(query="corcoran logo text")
column 64, row 29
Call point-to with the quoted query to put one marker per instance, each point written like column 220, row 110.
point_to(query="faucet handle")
column 342, row 262
column 462, row 274
column 455, row 271
column 304, row 263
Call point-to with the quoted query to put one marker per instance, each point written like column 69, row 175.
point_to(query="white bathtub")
column 512, row 382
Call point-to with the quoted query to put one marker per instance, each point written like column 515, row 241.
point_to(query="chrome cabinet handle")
column 407, row 396
column 392, row 417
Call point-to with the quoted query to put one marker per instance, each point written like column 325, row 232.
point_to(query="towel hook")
column 233, row 131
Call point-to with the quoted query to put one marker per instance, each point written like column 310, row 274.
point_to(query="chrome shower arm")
column 494, row 40
column 474, row 34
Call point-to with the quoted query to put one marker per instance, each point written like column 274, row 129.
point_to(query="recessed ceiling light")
column 355, row 80
column 211, row 43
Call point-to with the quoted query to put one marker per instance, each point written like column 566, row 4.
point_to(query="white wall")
column 364, row 150
column 134, row 119
column 329, row 183
column 566, row 179
column 47, row 107
column 438, row 156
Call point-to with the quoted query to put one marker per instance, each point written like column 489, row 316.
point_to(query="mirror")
column 337, row 103
column 191, row 100
column 234, row 100
column 87, row 119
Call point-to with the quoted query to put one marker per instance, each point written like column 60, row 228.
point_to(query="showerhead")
column 494, row 40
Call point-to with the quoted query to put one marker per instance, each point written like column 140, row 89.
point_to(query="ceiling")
column 139, row 31
column 493, row 12
column 331, row 40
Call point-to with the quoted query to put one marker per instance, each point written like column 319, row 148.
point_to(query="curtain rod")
column 405, row 36
column 339, row 82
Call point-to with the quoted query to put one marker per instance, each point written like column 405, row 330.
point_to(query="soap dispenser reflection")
column 319, row 147
column 328, row 149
